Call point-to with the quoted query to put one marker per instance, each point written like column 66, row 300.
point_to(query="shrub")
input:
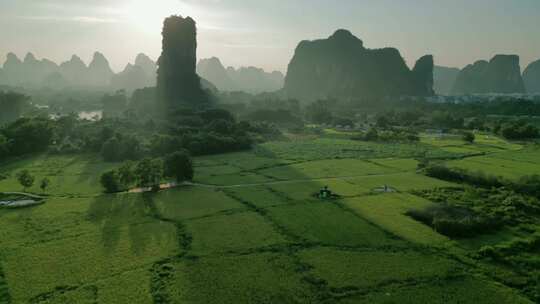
column 455, row 221
column 25, row 179
column 469, row 137
column 179, row 166
column 110, row 181
column 463, row 176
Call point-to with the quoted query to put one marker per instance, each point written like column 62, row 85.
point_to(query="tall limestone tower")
column 178, row 85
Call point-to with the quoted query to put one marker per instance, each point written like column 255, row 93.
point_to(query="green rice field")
column 251, row 229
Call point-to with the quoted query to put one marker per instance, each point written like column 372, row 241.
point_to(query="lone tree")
column 126, row 174
column 44, row 184
column 110, row 181
column 179, row 166
column 149, row 172
column 25, row 179
column 178, row 84
column 469, row 137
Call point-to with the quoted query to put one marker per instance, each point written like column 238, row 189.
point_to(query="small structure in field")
column 325, row 193
column 385, row 189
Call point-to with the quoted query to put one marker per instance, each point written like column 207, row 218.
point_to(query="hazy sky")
column 264, row 33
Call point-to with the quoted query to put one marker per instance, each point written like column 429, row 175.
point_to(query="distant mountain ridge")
column 341, row 67
column 502, row 75
column 444, row 79
column 531, row 77
column 75, row 73
column 247, row 79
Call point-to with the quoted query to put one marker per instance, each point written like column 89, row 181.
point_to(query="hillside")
column 502, row 74
column 342, row 67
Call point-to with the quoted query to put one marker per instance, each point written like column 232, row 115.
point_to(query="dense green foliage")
column 12, row 106
column 179, row 166
column 27, row 136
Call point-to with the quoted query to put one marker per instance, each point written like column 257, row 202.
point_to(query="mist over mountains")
column 247, row 79
column 141, row 73
column 74, row 73
column 339, row 66
column 444, row 79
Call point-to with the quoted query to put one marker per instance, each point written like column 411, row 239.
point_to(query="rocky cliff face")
column 531, row 77
column 177, row 82
column 423, row 75
column 342, row 67
column 247, row 79
column 444, row 79
column 502, row 74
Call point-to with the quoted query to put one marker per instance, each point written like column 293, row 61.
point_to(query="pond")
column 91, row 115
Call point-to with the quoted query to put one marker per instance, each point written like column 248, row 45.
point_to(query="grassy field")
column 252, row 230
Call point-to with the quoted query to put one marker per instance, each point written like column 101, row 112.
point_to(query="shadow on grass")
column 131, row 215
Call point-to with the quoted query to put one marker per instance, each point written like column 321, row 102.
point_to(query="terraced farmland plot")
column 233, row 232
column 254, row 278
column 529, row 154
column 242, row 160
column 4, row 292
column 216, row 170
column 328, row 224
column 299, row 190
column 400, row 181
column 363, row 270
column 511, row 169
column 74, row 175
column 402, row 164
column 68, row 294
column 260, row 196
column 327, row 168
column 388, row 211
column 483, row 143
column 466, row 290
column 240, row 178
column 61, row 218
column 131, row 286
column 40, row 269
column 193, row 202
column 326, row 148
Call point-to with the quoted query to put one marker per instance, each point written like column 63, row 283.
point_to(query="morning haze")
column 269, row 152
column 264, row 33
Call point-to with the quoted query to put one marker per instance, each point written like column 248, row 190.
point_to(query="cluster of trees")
column 203, row 132
column 389, row 135
column 12, row 106
column 26, row 179
column 475, row 210
column 280, row 117
column 455, row 221
column 527, row 185
column 519, row 130
column 149, row 172
column 25, row 135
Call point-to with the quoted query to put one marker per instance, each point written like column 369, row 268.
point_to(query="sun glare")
column 148, row 16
